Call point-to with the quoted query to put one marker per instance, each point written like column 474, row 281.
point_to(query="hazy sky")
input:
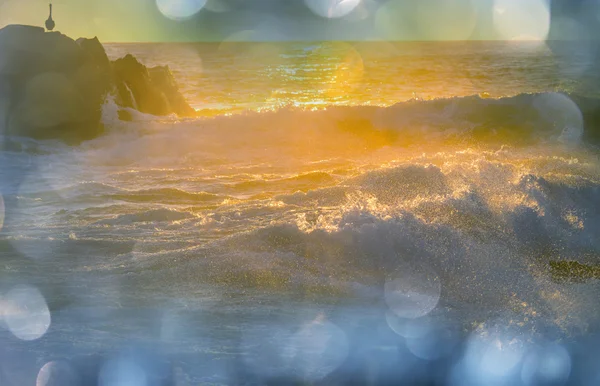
column 216, row 20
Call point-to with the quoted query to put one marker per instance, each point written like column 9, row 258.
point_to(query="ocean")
column 340, row 212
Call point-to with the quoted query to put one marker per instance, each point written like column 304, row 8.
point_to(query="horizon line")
column 351, row 41
column 374, row 40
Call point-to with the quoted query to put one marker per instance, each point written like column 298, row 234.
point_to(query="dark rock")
column 163, row 80
column 124, row 96
column 94, row 78
column 47, row 90
column 95, row 53
column 54, row 87
column 135, row 87
column 152, row 91
column 51, row 102
column 30, row 50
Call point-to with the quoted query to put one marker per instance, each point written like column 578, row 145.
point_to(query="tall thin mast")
column 50, row 24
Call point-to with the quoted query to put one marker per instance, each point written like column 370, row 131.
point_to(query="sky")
column 277, row 20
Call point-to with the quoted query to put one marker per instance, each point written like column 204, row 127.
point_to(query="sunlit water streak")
column 299, row 243
column 316, row 74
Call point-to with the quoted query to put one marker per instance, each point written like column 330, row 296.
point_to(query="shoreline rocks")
column 53, row 87
column 148, row 90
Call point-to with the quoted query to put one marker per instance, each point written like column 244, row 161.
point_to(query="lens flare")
column 180, row 10
column 318, row 349
column 564, row 114
column 217, row 6
column 35, row 241
column 263, row 351
column 413, row 293
column 26, row 313
column 409, row 328
column 493, row 356
column 2, row 211
column 122, row 372
column 311, row 352
column 332, row 9
column 522, row 20
column 437, row 343
column 57, row 373
column 548, row 365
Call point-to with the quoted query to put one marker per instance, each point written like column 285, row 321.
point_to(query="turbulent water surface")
column 326, row 209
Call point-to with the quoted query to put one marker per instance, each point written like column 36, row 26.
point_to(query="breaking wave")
column 486, row 194
column 522, row 119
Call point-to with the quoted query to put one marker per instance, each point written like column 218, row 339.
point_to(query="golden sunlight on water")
column 319, row 74
column 400, row 204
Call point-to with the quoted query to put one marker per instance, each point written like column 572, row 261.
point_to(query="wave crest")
column 520, row 119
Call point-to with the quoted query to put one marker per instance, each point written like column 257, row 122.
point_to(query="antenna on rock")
column 50, row 24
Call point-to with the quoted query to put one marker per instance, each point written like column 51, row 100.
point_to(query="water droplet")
column 26, row 313
column 413, row 292
column 492, row 357
column 57, row 373
column 549, row 364
column 522, row 20
column 2, row 211
column 437, row 343
column 559, row 110
column 34, row 237
column 332, row 9
column 121, row 372
column 217, row 6
column 180, row 10
column 408, row 328
column 315, row 351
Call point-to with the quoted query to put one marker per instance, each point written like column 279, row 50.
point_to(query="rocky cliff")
column 53, row 87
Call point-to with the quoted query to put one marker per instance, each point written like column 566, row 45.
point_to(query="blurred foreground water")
column 322, row 224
